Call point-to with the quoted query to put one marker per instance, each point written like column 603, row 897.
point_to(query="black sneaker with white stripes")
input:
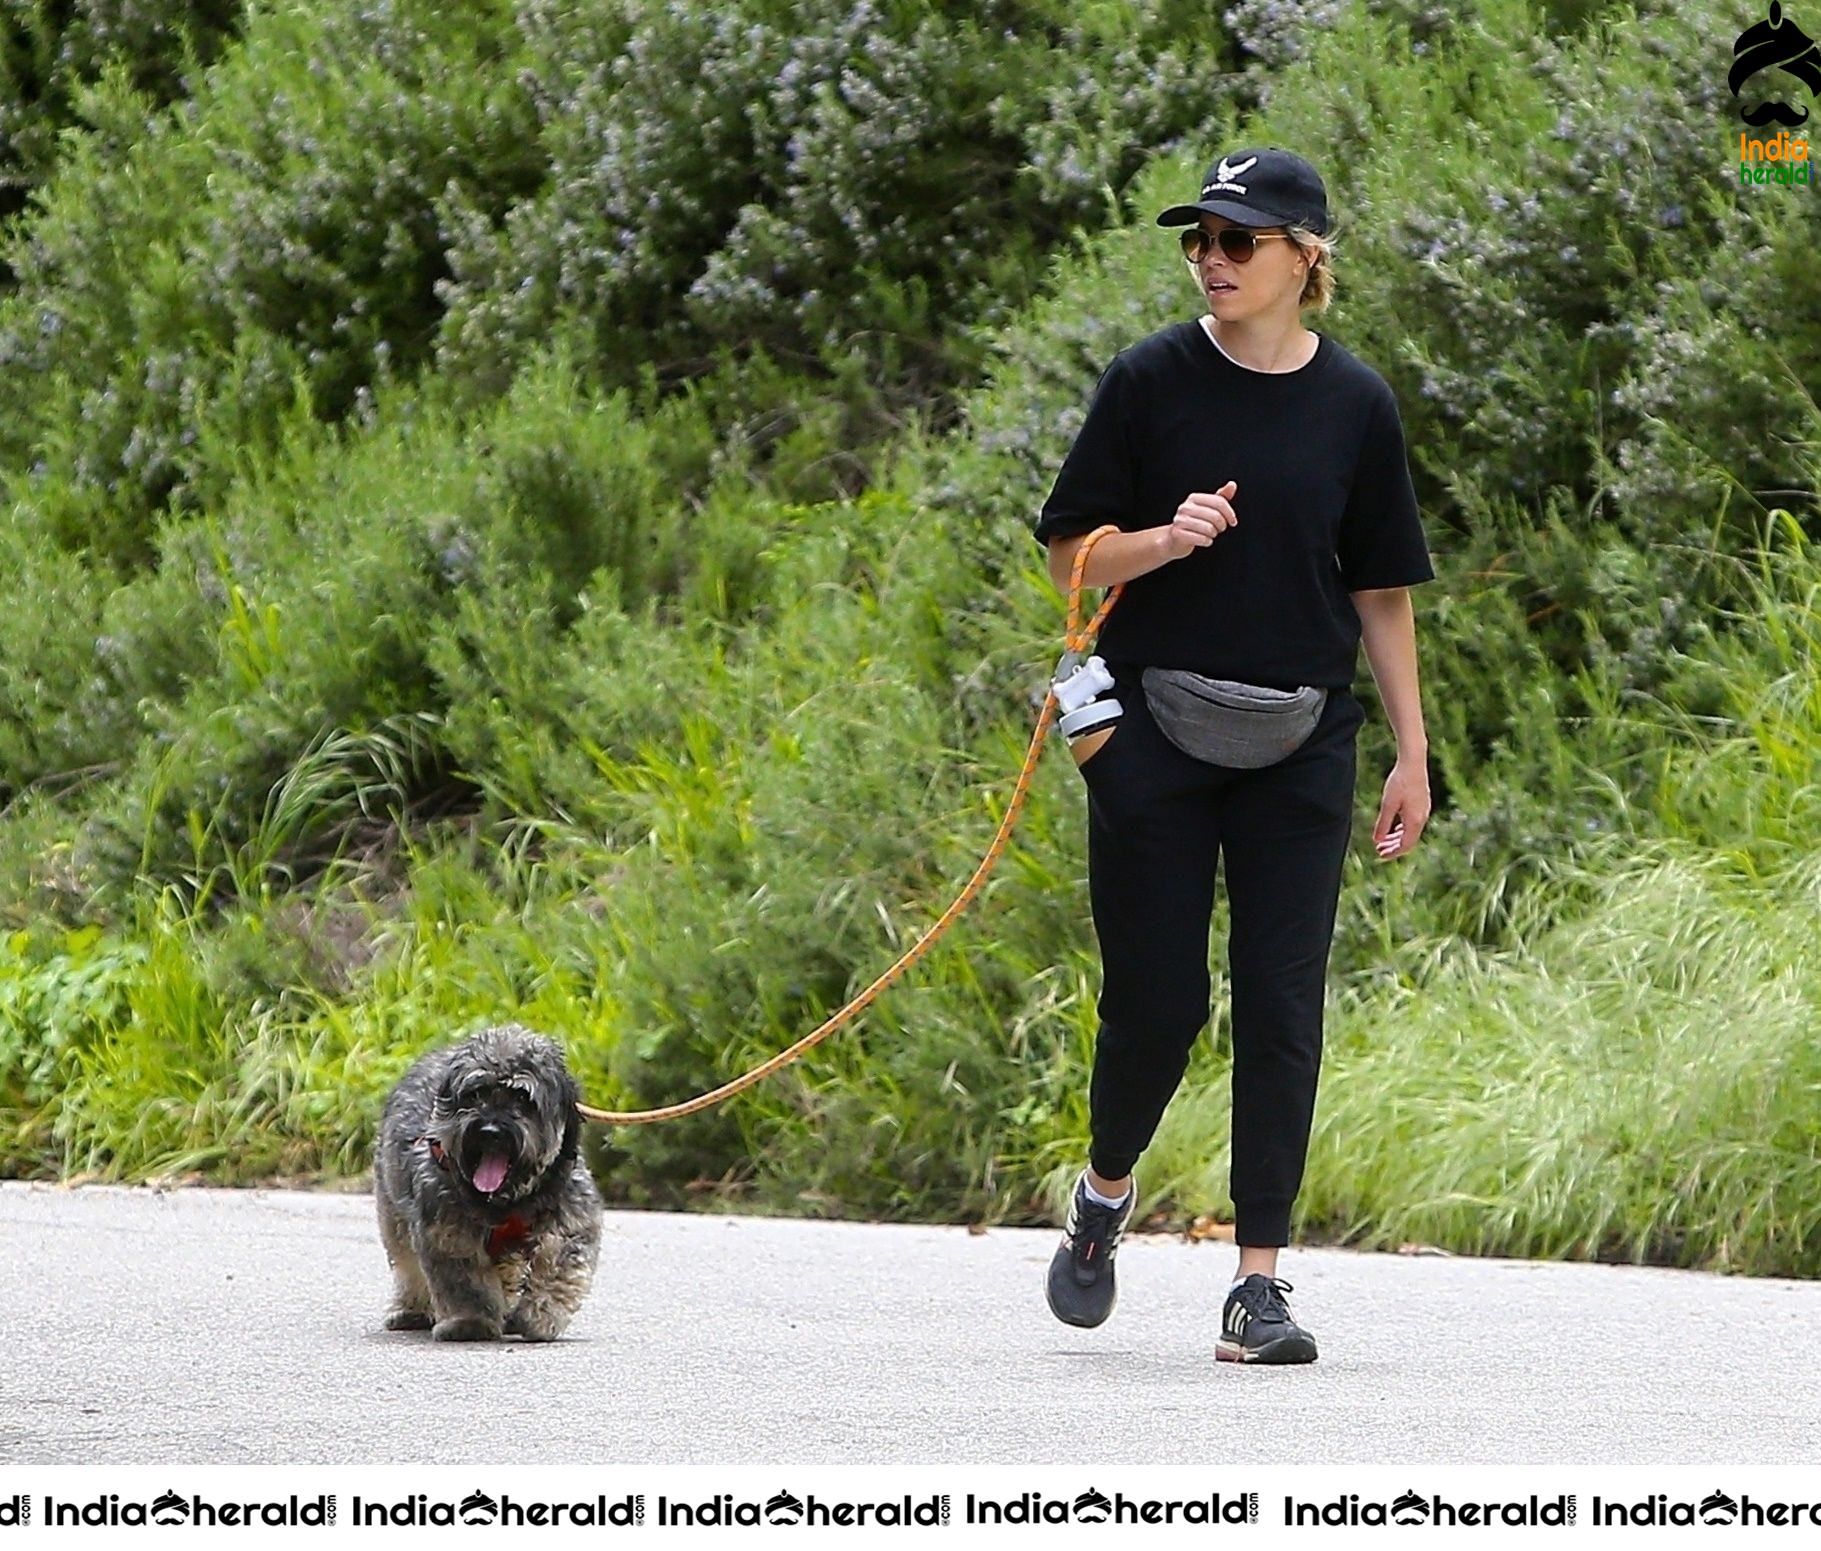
column 1081, row 1286
column 1256, row 1326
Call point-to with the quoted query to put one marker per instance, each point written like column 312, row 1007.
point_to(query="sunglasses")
column 1238, row 243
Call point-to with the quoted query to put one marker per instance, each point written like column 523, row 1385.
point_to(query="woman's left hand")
column 1404, row 810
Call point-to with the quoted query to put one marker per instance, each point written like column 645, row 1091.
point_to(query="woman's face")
column 1267, row 285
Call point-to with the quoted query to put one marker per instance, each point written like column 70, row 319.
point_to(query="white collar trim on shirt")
column 1207, row 327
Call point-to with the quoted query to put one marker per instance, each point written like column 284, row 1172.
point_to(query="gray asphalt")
column 233, row 1327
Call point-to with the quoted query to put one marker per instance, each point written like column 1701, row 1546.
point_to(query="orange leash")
column 1077, row 642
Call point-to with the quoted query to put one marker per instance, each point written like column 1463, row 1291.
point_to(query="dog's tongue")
column 491, row 1174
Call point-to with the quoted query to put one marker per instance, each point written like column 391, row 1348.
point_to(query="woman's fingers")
column 1212, row 508
column 1401, row 821
column 1217, row 502
column 1388, row 832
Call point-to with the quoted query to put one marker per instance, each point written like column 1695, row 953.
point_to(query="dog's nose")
column 492, row 1131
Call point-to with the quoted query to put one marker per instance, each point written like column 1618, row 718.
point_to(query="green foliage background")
column 523, row 512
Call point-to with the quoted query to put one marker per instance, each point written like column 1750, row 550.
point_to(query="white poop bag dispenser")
column 1080, row 689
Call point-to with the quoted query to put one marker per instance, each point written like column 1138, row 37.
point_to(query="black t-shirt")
column 1325, row 506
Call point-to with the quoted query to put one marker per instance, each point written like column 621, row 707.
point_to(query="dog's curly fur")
column 469, row 1263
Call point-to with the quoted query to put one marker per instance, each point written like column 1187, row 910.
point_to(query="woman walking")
column 1258, row 474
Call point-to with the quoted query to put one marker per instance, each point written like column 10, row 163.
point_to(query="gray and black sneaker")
column 1256, row 1326
column 1081, row 1287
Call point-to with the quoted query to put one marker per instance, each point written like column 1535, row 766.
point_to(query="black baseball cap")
column 1265, row 186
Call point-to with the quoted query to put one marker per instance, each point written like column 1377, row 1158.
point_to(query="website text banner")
column 413, row 1504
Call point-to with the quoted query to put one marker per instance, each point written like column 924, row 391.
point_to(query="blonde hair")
column 1318, row 284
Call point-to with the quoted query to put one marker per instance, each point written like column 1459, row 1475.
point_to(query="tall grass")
column 1638, row 1078
column 1635, row 1078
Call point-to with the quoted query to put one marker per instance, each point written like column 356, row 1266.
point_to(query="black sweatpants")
column 1158, row 819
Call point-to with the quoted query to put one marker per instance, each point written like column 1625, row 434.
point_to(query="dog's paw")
column 546, row 1325
column 409, row 1319
column 465, row 1327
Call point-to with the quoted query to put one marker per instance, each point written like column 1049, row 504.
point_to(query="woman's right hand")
column 1199, row 520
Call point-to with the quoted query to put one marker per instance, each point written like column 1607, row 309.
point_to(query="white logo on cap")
column 1224, row 176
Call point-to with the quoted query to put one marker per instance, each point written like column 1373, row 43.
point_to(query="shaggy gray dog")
column 489, row 1216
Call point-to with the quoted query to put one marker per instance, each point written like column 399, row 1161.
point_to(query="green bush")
column 658, row 182
column 338, row 589
column 51, row 52
column 1523, row 298
column 274, row 241
column 827, row 181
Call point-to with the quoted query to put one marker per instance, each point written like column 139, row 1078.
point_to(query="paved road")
column 230, row 1327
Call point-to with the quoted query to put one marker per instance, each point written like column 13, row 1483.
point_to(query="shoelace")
column 1267, row 1301
column 1094, row 1228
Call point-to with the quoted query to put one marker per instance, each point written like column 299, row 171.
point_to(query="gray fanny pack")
column 1242, row 726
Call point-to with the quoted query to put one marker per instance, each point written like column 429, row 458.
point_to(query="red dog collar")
column 507, row 1236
